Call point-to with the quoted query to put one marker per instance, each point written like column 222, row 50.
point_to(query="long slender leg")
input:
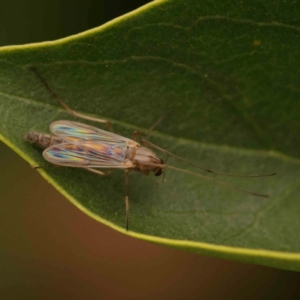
column 137, row 133
column 71, row 111
column 126, row 199
column 45, row 167
column 105, row 173
column 164, row 170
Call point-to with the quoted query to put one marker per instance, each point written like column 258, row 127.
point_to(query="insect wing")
column 87, row 154
column 74, row 132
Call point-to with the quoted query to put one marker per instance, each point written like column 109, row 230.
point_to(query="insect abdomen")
column 42, row 140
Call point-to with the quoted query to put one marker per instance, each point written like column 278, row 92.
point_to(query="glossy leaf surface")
column 226, row 78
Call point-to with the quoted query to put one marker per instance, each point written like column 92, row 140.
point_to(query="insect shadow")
column 78, row 145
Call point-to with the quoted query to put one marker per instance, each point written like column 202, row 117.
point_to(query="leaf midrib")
column 179, row 140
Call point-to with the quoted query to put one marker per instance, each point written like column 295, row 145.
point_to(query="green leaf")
column 225, row 75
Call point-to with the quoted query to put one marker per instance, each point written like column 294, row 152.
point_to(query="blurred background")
column 51, row 250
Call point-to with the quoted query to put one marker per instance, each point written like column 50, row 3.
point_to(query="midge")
column 82, row 146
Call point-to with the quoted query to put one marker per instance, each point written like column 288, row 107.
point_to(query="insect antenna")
column 200, row 167
column 211, row 179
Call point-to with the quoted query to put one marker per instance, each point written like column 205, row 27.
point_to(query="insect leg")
column 139, row 133
column 105, row 173
column 71, row 111
column 48, row 166
column 126, row 198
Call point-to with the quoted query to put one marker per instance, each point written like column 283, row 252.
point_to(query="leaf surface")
column 226, row 78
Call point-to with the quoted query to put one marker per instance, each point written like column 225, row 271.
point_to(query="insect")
column 79, row 145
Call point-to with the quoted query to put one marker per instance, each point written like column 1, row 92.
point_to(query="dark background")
column 51, row 250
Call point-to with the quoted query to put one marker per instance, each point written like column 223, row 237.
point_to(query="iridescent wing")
column 74, row 132
column 87, row 154
column 87, row 146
